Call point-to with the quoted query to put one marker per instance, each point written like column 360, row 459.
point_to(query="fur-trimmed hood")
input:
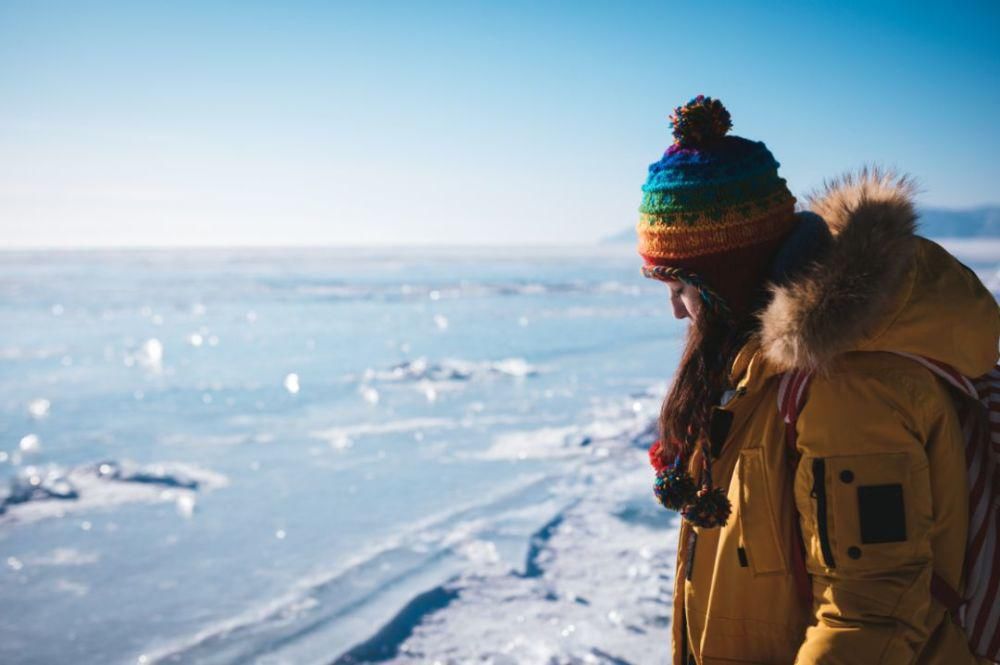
column 878, row 287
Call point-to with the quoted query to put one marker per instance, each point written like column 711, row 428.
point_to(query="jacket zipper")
column 819, row 493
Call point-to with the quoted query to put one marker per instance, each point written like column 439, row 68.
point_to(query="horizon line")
column 602, row 242
column 598, row 244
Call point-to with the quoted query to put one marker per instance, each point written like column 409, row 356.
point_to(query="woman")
column 821, row 551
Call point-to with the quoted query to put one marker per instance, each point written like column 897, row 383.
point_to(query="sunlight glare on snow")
column 369, row 394
column 39, row 408
column 30, row 443
column 150, row 355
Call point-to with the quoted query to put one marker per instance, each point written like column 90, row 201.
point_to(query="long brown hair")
column 700, row 380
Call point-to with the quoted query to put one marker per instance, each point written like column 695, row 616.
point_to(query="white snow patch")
column 603, row 592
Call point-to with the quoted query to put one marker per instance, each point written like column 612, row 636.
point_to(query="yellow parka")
column 880, row 487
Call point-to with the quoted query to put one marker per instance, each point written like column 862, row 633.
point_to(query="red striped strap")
column 791, row 396
column 946, row 372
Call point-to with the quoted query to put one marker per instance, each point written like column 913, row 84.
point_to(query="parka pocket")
column 865, row 512
column 756, row 514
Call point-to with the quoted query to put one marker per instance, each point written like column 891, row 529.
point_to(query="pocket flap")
column 756, row 514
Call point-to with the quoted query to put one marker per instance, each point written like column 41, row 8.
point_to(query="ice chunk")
column 30, row 443
column 39, row 408
column 39, row 493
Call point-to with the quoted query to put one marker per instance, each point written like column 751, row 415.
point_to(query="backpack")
column 978, row 613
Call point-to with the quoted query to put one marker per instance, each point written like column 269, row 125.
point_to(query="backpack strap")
column 791, row 396
column 944, row 371
column 947, row 596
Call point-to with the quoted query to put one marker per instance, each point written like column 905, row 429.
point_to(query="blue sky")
column 319, row 123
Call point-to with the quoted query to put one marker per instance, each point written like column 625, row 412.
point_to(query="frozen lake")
column 297, row 456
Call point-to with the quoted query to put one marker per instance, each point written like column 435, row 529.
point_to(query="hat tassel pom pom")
column 675, row 489
column 709, row 509
column 674, row 486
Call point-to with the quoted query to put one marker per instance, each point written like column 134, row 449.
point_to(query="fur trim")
column 839, row 299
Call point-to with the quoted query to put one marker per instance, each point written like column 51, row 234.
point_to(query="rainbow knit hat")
column 714, row 210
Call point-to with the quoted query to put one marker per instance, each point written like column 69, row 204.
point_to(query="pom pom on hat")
column 700, row 122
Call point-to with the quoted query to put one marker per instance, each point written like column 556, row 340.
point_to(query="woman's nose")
column 680, row 311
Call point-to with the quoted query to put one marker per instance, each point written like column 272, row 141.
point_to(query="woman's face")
column 684, row 298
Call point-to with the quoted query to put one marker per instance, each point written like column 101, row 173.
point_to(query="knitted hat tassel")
column 710, row 507
column 674, row 487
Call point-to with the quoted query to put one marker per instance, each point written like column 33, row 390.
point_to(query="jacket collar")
column 835, row 298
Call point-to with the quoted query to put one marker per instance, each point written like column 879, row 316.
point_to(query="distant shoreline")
column 606, row 246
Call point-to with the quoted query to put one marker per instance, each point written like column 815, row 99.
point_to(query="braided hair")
column 702, row 376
